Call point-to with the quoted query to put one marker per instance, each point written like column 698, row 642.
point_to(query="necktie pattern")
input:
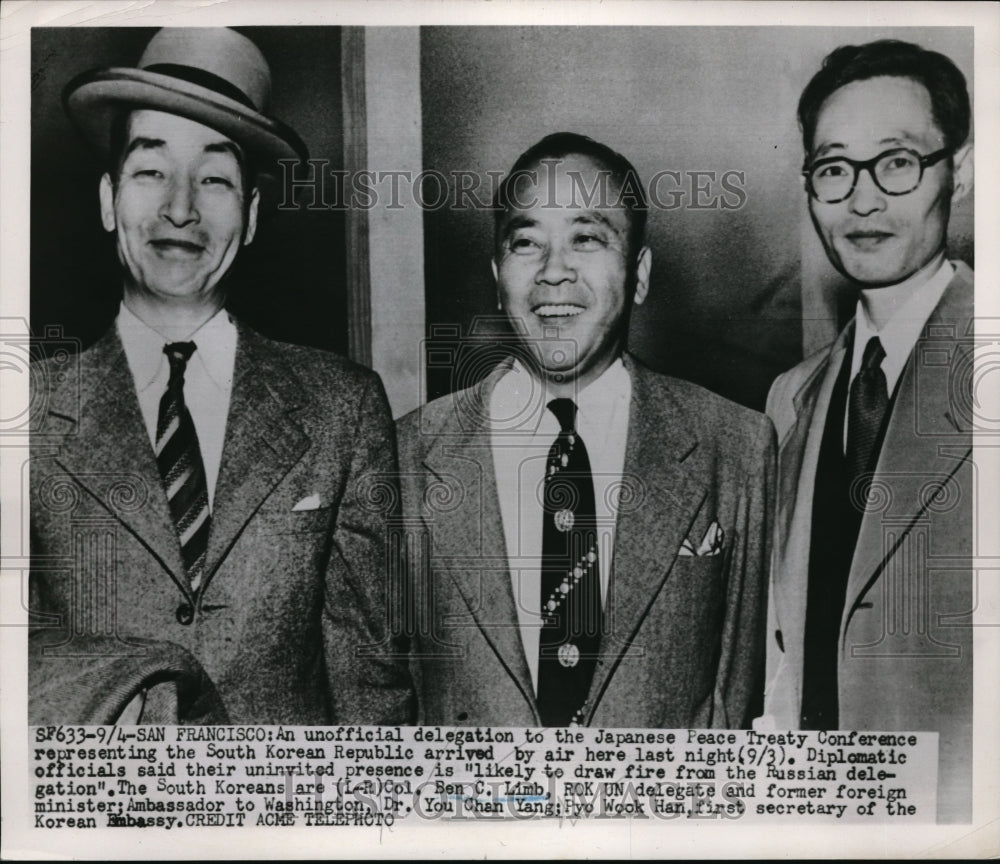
column 571, row 585
column 179, row 459
column 869, row 399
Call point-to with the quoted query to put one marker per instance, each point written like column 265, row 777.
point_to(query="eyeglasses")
column 895, row 172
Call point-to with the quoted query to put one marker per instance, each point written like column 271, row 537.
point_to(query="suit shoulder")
column 317, row 367
column 416, row 430
column 789, row 382
column 56, row 378
column 732, row 427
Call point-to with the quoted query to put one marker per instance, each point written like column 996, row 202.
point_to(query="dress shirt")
column 522, row 430
column 208, row 380
column 900, row 333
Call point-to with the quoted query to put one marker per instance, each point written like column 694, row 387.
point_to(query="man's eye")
column 589, row 241
column 148, row 173
column 523, row 245
column 833, row 170
column 215, row 180
column 898, row 163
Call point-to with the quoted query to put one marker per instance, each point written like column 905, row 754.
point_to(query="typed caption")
column 174, row 777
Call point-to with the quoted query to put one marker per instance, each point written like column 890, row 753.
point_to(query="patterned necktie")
column 571, row 584
column 179, row 460
column 866, row 410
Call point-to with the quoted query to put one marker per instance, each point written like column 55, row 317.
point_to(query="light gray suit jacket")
column 292, row 621
column 684, row 640
column 905, row 658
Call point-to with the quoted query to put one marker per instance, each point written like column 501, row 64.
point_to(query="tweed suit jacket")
column 291, row 623
column 683, row 639
column 905, row 644
column 173, row 687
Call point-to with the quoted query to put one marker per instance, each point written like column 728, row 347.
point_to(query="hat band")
column 203, row 79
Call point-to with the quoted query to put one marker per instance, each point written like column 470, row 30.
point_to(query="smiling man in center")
column 593, row 537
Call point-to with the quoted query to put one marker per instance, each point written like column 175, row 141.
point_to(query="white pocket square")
column 711, row 543
column 310, row 502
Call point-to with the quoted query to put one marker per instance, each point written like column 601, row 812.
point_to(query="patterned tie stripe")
column 570, row 585
column 179, row 459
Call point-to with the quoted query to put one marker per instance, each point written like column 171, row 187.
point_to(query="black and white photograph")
column 571, row 421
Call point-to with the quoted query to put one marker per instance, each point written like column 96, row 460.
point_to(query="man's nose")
column 555, row 267
column 179, row 207
column 866, row 198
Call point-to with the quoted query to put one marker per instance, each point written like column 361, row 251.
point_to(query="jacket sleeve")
column 366, row 660
column 739, row 682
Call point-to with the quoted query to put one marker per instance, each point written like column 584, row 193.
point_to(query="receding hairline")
column 529, row 173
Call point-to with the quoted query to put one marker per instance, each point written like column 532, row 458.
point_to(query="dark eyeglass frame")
column 869, row 165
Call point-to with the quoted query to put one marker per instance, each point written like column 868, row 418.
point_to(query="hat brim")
column 93, row 98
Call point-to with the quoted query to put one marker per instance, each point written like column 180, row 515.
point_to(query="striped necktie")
column 869, row 399
column 179, row 460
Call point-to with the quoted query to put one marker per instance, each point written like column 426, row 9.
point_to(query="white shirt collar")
column 901, row 332
column 216, row 352
column 518, row 402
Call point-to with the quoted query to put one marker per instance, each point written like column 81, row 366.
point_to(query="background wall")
column 734, row 292
column 288, row 284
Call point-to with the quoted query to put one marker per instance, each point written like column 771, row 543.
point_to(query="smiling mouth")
column 868, row 239
column 183, row 247
column 558, row 310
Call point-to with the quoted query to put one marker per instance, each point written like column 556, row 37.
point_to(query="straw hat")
column 212, row 75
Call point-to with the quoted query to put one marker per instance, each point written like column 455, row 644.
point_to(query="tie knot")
column 565, row 411
column 873, row 356
column 178, row 354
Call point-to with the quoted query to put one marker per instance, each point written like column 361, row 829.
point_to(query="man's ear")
column 642, row 269
column 248, row 235
column 963, row 162
column 107, row 193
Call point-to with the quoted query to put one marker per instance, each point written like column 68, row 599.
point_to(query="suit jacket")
column 291, row 623
column 171, row 685
column 905, row 644
column 683, row 635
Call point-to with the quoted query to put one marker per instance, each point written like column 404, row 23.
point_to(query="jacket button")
column 463, row 716
column 185, row 614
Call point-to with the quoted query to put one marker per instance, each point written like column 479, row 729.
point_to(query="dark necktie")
column 179, row 460
column 865, row 412
column 571, row 584
column 836, row 518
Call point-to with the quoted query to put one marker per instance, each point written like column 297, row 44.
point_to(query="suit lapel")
column 798, row 458
column 649, row 532
column 469, row 539
column 107, row 451
column 263, row 441
column 922, row 425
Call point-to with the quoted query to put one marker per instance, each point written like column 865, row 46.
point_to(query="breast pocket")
column 293, row 522
column 695, row 591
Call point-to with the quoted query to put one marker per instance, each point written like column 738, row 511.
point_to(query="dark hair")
column 118, row 140
column 559, row 145
column 942, row 79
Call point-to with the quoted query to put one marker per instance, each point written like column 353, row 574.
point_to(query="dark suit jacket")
column 905, row 636
column 684, row 641
column 291, row 624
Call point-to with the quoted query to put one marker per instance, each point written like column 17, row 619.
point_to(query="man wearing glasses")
column 872, row 598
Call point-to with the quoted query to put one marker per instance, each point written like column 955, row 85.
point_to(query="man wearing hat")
column 194, row 483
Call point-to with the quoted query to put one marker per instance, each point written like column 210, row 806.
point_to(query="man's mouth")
column 557, row 310
column 169, row 246
column 868, row 239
